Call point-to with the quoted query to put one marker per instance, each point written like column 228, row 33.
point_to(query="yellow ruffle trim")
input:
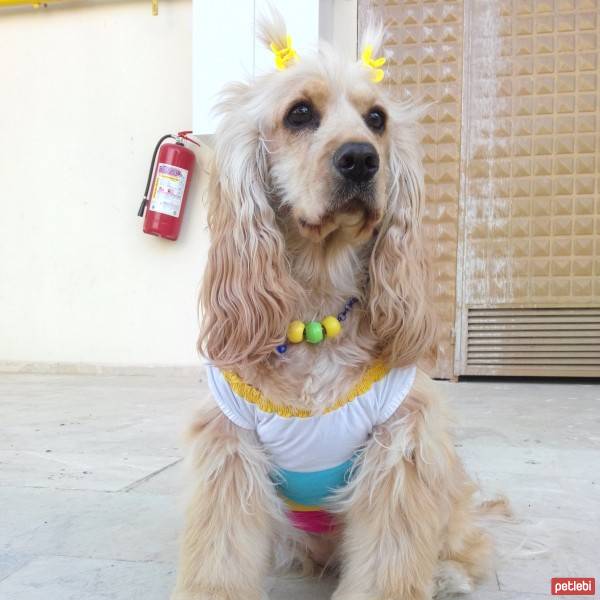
column 249, row 393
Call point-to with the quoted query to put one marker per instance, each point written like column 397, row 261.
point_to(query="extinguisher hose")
column 150, row 173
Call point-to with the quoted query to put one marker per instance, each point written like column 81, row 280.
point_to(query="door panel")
column 520, row 123
column 426, row 64
column 529, row 203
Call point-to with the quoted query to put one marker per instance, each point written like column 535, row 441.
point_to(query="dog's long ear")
column 247, row 294
column 399, row 303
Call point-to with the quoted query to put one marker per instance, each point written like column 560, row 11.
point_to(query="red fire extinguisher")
column 167, row 186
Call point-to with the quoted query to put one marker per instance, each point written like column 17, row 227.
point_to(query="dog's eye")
column 375, row 119
column 301, row 115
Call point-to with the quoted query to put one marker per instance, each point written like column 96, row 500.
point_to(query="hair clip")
column 285, row 55
column 374, row 64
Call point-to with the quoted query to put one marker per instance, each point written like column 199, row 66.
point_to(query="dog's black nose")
column 356, row 161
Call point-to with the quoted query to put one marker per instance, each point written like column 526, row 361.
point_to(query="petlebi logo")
column 573, row 586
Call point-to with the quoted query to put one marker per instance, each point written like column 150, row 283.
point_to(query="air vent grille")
column 533, row 341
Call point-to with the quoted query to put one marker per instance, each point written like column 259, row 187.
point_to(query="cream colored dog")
column 315, row 198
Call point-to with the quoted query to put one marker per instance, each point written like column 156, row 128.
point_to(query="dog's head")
column 326, row 127
column 317, row 153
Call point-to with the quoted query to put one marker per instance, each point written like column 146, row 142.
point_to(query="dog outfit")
column 312, row 454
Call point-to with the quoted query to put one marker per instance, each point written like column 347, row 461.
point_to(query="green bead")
column 314, row 332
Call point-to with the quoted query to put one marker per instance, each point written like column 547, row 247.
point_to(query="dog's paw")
column 415, row 595
column 199, row 595
column 351, row 596
column 212, row 595
column 451, row 579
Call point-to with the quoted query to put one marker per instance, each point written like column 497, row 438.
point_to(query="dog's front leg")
column 226, row 545
column 395, row 508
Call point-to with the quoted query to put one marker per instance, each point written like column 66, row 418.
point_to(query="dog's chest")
column 313, row 380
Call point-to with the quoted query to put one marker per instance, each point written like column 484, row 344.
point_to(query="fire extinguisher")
column 167, row 186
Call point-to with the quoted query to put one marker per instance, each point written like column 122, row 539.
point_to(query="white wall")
column 86, row 89
column 84, row 95
column 243, row 55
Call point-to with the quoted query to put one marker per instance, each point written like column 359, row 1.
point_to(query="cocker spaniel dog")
column 322, row 442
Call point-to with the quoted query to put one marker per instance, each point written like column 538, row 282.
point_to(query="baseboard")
column 67, row 368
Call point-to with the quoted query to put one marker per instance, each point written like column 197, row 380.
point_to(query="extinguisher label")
column 169, row 186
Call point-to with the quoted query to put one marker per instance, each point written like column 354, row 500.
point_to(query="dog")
column 330, row 452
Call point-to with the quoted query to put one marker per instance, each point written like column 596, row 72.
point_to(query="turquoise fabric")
column 312, row 489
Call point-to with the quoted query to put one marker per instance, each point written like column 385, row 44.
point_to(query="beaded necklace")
column 315, row 332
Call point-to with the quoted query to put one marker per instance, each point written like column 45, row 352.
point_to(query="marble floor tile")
column 98, row 516
column 70, row 578
column 79, row 470
column 87, row 524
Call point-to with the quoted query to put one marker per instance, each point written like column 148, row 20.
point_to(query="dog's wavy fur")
column 283, row 249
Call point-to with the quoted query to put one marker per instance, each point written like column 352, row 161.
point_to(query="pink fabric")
column 313, row 521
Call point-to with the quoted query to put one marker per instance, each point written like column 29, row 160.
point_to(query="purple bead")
column 282, row 348
column 341, row 316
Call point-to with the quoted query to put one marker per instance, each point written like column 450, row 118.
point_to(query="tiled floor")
column 90, row 481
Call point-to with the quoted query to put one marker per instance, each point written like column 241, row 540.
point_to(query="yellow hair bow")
column 285, row 55
column 374, row 64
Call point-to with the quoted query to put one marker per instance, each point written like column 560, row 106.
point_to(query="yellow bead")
column 331, row 325
column 295, row 332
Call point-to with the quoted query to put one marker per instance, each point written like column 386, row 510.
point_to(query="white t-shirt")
column 313, row 454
